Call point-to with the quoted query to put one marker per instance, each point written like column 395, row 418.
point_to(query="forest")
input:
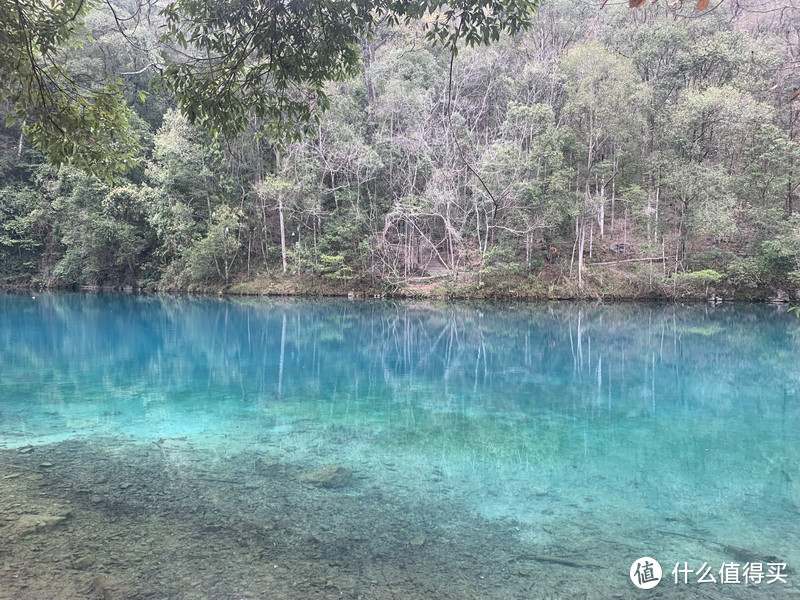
column 600, row 153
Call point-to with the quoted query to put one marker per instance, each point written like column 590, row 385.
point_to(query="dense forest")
column 612, row 152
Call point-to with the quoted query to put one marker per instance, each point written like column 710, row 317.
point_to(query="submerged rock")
column 32, row 523
column 267, row 465
column 109, row 587
column 83, row 562
column 329, row 476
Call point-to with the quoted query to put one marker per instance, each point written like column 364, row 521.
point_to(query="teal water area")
column 177, row 447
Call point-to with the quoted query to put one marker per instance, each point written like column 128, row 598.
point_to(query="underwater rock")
column 109, row 587
column 329, row 476
column 84, row 562
column 267, row 465
column 32, row 523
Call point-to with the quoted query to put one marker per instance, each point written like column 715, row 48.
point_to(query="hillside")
column 610, row 153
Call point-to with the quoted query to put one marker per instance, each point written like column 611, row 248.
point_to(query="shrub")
column 211, row 258
column 694, row 281
column 779, row 256
column 333, row 267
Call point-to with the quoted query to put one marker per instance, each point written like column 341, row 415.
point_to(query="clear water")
column 169, row 448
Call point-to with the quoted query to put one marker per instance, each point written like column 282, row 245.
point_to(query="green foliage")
column 717, row 259
column 704, row 277
column 529, row 162
column 273, row 61
column 90, row 131
column 779, row 256
column 705, row 198
column 717, row 123
column 99, row 250
column 23, row 227
column 694, row 281
column 772, row 160
column 341, row 235
column 502, row 260
column 71, row 124
column 597, row 82
column 100, row 244
column 187, row 164
column 332, row 267
column 744, row 272
column 520, row 148
column 212, row 258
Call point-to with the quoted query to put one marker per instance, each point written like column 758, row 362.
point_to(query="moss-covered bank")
column 597, row 284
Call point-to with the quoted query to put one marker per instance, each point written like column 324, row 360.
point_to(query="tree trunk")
column 613, row 190
column 625, row 229
column 790, row 187
column 368, row 56
column 21, row 139
column 658, row 197
column 601, row 212
column 278, row 169
column 582, row 237
column 283, row 233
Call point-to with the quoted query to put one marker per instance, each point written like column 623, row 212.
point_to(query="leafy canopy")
column 68, row 121
column 272, row 58
column 226, row 61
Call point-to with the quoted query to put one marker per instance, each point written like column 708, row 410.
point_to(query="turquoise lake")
column 179, row 447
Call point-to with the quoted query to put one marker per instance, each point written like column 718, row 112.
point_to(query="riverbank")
column 622, row 282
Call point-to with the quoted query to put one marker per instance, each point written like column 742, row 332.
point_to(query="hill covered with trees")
column 601, row 153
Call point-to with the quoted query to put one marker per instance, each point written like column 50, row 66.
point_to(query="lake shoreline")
column 470, row 286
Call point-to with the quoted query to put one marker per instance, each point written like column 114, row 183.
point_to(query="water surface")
column 157, row 447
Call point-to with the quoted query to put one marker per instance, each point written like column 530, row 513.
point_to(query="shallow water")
column 157, row 447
